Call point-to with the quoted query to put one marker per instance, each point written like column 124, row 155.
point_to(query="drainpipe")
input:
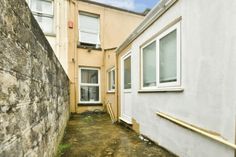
column 76, row 54
column 72, row 40
column 117, row 87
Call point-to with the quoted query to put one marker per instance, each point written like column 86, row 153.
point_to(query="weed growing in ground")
column 88, row 119
column 62, row 148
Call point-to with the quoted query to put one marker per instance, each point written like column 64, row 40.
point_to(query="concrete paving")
column 93, row 135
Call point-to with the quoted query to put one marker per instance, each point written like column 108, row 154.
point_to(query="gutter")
column 150, row 18
column 111, row 7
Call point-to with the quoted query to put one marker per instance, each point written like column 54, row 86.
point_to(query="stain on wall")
column 34, row 89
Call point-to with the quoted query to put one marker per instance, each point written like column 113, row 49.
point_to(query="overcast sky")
column 134, row 5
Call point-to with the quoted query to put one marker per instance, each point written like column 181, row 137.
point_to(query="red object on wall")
column 70, row 24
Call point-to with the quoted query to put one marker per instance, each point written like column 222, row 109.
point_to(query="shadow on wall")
column 34, row 89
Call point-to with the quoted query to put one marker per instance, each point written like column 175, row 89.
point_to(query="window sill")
column 89, row 104
column 50, row 34
column 89, row 47
column 173, row 89
column 110, row 92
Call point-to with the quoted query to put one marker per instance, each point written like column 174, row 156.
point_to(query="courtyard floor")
column 93, row 135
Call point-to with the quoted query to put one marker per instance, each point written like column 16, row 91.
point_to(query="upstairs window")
column 43, row 13
column 89, row 30
column 160, row 60
column 111, row 80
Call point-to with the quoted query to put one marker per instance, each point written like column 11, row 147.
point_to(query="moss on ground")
column 62, row 148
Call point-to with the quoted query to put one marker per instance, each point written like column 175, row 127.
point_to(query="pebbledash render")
column 176, row 79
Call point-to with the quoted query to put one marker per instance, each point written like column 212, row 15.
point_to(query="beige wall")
column 59, row 42
column 110, row 97
column 59, row 39
column 115, row 26
column 72, row 54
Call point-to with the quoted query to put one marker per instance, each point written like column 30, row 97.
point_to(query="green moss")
column 62, row 148
column 88, row 119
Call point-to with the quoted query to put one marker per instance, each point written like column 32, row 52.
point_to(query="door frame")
column 122, row 90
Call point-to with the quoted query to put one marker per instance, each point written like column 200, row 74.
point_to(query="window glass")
column 89, row 85
column 127, row 73
column 42, row 6
column 89, row 23
column 89, row 29
column 168, row 58
column 43, row 13
column 45, row 23
column 111, row 80
column 149, row 65
column 89, row 93
column 89, row 76
column 88, row 37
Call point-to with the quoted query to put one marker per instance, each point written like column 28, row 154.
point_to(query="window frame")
column 87, row 31
column 157, row 39
column 109, row 82
column 90, row 85
column 41, row 14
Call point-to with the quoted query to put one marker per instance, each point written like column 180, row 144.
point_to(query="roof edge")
column 112, row 7
column 159, row 9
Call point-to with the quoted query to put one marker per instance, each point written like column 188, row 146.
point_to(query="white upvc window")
column 111, row 80
column 43, row 13
column 89, row 29
column 89, row 85
column 160, row 60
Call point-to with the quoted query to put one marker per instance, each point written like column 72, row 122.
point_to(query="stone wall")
column 34, row 89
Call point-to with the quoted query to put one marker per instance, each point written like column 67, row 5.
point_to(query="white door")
column 126, row 101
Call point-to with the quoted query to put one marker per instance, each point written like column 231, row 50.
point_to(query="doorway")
column 126, row 92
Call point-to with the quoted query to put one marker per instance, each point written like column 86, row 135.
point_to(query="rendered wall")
column 110, row 97
column 34, row 89
column 59, row 39
column 115, row 26
column 208, row 63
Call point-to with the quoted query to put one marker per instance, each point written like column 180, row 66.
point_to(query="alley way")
column 93, row 135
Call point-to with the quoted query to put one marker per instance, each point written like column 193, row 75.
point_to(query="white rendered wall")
column 208, row 36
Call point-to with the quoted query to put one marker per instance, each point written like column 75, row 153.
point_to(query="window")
column 43, row 13
column 89, row 85
column 168, row 58
column 127, row 72
column 89, row 29
column 160, row 60
column 111, row 80
column 149, row 65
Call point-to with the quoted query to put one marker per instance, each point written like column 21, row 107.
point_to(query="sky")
column 134, row 5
